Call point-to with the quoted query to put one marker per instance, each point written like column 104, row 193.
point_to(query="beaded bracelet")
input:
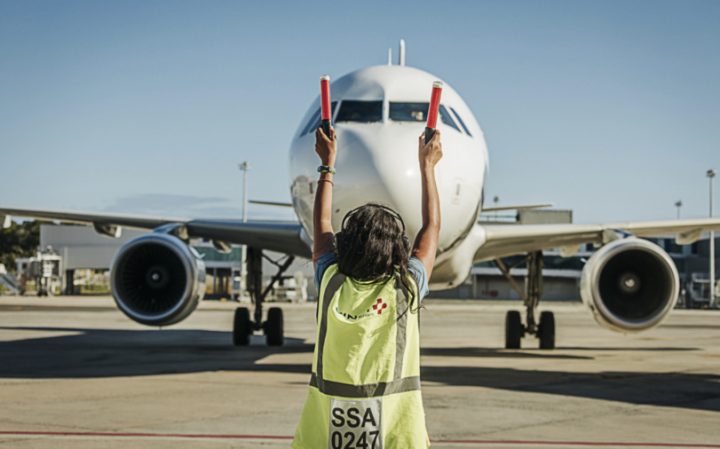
column 325, row 169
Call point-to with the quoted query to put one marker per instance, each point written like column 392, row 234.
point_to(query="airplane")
column 629, row 284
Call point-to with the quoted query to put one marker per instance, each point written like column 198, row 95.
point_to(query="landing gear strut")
column 273, row 327
column 544, row 330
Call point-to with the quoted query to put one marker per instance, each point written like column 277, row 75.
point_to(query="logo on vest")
column 355, row 424
column 375, row 310
column 379, row 306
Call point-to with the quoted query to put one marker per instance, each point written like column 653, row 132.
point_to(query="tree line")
column 19, row 240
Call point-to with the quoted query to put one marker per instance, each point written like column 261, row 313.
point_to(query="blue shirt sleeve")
column 321, row 264
column 415, row 267
column 417, row 271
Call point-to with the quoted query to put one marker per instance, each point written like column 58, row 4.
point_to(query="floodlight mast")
column 244, row 166
column 711, row 175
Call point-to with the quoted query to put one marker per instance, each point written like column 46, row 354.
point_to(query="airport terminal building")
column 561, row 275
column 85, row 254
column 85, row 257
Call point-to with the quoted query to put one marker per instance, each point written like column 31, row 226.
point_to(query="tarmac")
column 75, row 372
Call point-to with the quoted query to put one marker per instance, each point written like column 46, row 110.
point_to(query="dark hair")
column 372, row 245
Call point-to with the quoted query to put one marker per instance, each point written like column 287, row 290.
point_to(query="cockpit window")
column 408, row 112
column 447, row 118
column 360, row 111
column 314, row 121
column 460, row 120
column 417, row 112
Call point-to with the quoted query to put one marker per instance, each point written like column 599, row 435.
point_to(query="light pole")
column 244, row 167
column 678, row 204
column 711, row 174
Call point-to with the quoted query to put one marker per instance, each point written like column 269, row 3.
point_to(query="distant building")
column 81, row 248
column 561, row 275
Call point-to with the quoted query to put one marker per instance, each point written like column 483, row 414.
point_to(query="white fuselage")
column 378, row 122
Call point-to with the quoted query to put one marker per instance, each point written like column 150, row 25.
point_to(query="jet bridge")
column 8, row 282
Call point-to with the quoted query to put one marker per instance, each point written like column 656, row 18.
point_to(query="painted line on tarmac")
column 146, row 435
column 556, row 443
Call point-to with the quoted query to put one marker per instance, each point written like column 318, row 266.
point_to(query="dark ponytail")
column 372, row 245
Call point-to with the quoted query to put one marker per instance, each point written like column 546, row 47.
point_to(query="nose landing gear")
column 544, row 330
column 273, row 327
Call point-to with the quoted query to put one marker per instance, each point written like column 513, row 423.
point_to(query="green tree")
column 19, row 240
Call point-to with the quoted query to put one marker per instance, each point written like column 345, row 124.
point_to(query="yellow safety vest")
column 365, row 384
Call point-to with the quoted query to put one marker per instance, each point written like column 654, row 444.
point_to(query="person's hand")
column 325, row 146
column 430, row 153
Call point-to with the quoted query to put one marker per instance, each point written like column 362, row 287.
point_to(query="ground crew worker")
column 365, row 384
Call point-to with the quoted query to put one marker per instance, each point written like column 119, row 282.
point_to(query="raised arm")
column 322, row 212
column 426, row 241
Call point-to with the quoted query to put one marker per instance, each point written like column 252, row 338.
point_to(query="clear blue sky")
column 611, row 108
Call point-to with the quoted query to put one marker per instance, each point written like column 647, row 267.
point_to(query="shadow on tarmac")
column 98, row 353
column 678, row 389
column 498, row 353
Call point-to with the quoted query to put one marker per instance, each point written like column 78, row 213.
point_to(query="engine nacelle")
column 157, row 279
column 630, row 285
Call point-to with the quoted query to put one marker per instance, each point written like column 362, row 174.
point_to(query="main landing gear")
column 544, row 329
column 273, row 326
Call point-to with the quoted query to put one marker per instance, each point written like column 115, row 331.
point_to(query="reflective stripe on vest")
column 398, row 384
column 366, row 391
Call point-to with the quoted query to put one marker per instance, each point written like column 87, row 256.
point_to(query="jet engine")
column 630, row 285
column 157, row 279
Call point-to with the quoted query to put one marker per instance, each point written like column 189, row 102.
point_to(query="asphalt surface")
column 75, row 372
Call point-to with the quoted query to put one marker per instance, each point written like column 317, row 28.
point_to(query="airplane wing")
column 517, row 207
column 285, row 237
column 504, row 240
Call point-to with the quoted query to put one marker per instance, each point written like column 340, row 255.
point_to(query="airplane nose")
column 372, row 167
column 358, row 179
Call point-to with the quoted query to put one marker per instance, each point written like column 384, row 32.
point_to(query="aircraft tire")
column 242, row 327
column 513, row 329
column 546, row 330
column 274, row 327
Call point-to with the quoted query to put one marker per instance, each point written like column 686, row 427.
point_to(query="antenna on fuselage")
column 401, row 56
column 389, row 56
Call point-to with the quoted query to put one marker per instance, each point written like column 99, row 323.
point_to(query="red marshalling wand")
column 433, row 111
column 325, row 110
